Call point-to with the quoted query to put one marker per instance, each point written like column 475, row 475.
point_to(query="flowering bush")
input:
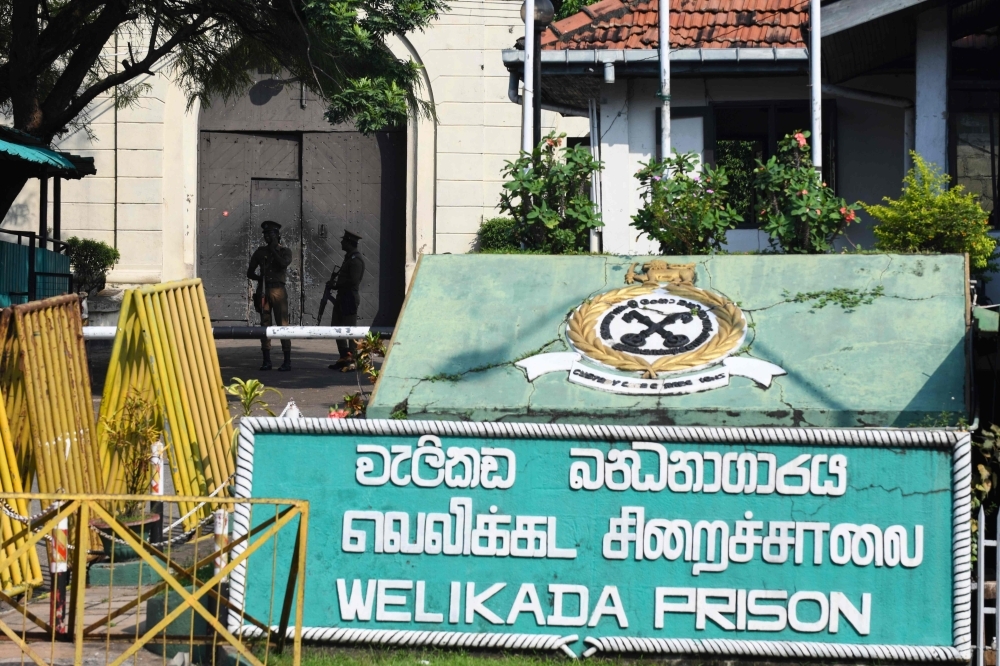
column 929, row 217
column 548, row 194
column 684, row 208
column 800, row 212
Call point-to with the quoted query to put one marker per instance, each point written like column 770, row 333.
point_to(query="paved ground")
column 311, row 384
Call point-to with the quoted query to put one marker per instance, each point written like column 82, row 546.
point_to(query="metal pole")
column 536, row 99
column 816, row 83
column 59, row 568
column 156, row 488
column 43, row 210
column 527, row 99
column 980, row 588
column 32, row 278
column 57, row 208
column 664, row 38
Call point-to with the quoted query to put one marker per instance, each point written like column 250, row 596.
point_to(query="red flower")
column 337, row 414
column 798, row 136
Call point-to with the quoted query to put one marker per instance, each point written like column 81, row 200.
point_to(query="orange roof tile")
column 634, row 24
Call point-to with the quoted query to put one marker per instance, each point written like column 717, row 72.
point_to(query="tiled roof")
column 633, row 24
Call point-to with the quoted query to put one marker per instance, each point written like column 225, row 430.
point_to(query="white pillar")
column 664, row 38
column 816, row 83
column 527, row 131
column 931, row 139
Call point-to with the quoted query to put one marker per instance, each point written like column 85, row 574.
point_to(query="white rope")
column 785, row 649
column 916, row 437
column 961, row 474
column 406, row 637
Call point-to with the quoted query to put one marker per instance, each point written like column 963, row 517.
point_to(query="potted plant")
column 131, row 433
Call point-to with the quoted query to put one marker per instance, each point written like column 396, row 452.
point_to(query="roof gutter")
column 558, row 108
column 597, row 62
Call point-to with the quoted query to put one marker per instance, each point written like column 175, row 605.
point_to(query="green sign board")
column 781, row 542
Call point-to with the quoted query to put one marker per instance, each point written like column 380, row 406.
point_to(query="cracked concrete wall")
column 895, row 361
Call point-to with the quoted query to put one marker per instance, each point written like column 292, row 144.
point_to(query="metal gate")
column 347, row 180
column 357, row 182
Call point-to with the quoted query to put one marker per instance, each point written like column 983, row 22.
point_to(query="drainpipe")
column 664, row 38
column 816, row 83
column 527, row 131
column 512, row 95
column 886, row 100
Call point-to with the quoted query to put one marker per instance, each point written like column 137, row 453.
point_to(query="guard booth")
column 735, row 456
column 34, row 265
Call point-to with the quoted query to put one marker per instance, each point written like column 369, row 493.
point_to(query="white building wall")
column 144, row 196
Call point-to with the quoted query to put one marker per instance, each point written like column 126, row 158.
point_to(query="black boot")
column 287, row 365
column 266, row 365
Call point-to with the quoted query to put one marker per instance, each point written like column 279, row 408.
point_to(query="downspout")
column 664, row 48
column 595, row 178
column 527, row 131
column 513, row 96
column 886, row 100
column 816, row 83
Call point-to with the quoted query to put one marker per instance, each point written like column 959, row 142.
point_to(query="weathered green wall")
column 895, row 362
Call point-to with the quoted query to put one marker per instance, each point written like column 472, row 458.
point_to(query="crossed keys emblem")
column 660, row 327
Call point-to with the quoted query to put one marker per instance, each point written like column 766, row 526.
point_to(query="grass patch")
column 329, row 656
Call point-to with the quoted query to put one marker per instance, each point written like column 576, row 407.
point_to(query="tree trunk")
column 10, row 186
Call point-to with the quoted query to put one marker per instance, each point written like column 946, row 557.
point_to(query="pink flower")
column 804, row 192
column 337, row 414
column 710, row 191
column 818, row 212
column 656, row 178
column 798, row 136
column 695, row 177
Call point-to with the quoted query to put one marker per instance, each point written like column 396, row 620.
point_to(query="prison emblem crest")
column 658, row 335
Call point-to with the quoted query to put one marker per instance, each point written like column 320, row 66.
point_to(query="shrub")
column 929, row 217
column 547, row 194
column 90, row 260
column 497, row 235
column 683, row 207
column 800, row 212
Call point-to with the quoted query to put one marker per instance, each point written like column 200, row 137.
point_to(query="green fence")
column 51, row 273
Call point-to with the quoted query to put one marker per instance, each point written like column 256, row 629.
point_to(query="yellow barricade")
column 49, row 402
column 49, row 405
column 164, row 350
column 24, row 571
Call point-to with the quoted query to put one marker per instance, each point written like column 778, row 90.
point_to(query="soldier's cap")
column 351, row 236
column 270, row 225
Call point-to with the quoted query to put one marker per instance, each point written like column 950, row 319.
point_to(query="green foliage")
column 547, row 193
column 930, row 217
column 800, row 213
column 338, row 49
column 739, row 159
column 90, row 260
column 131, row 433
column 986, row 466
column 684, row 208
column 497, row 235
column 565, row 8
column 847, row 299
column 251, row 394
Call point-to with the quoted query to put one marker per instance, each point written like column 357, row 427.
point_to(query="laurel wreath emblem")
column 582, row 330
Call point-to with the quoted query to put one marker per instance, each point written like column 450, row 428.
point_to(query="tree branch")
column 78, row 104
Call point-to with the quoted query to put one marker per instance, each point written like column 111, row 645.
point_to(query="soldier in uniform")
column 271, row 299
column 347, row 284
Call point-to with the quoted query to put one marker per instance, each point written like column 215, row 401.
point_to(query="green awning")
column 36, row 155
